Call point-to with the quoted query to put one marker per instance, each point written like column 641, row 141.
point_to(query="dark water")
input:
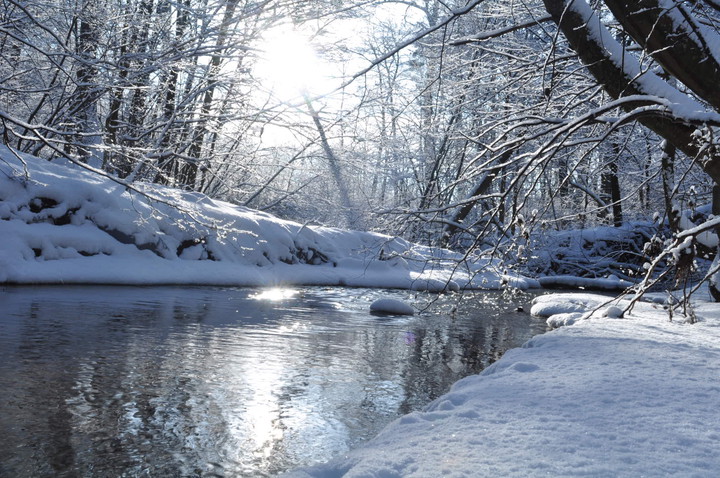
column 126, row 381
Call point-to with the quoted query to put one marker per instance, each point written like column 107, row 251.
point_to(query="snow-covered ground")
column 63, row 224
column 606, row 396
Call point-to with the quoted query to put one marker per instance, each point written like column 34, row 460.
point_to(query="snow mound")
column 63, row 224
column 568, row 318
column 552, row 304
column 391, row 307
column 567, row 309
column 613, row 312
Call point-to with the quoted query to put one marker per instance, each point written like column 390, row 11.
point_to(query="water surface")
column 169, row 381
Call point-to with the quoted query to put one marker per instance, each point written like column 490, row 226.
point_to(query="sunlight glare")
column 275, row 294
column 291, row 67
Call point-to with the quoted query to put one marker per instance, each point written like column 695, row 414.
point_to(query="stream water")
column 167, row 381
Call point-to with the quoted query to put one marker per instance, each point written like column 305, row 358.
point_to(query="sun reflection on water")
column 275, row 294
column 203, row 381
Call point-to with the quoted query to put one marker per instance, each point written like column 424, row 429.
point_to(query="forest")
column 317, row 238
column 495, row 126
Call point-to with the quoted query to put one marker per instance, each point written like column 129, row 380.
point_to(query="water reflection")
column 101, row 381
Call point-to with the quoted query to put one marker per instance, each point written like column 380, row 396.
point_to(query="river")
column 199, row 381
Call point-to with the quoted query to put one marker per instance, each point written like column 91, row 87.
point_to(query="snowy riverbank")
column 635, row 396
column 605, row 396
column 63, row 224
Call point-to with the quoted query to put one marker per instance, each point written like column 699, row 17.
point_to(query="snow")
column 606, row 396
column 613, row 312
column 549, row 305
column 601, row 283
column 703, row 232
column 391, row 307
column 61, row 223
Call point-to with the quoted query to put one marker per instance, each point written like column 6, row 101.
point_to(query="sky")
column 315, row 60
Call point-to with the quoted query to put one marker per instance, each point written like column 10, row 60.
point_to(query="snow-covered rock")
column 547, row 305
column 613, row 312
column 567, row 318
column 391, row 307
column 566, row 309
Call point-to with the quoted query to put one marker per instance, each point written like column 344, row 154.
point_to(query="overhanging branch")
column 502, row 31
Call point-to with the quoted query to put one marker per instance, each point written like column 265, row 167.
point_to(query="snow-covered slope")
column 63, row 224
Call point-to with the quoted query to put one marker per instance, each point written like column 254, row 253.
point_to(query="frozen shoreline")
column 637, row 396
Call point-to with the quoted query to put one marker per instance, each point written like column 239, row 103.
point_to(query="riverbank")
column 633, row 396
column 63, row 224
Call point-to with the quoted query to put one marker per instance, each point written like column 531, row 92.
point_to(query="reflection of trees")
column 484, row 346
column 115, row 397
column 87, row 392
column 38, row 386
column 441, row 356
column 173, row 385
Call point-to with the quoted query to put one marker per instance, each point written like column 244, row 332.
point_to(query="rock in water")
column 391, row 307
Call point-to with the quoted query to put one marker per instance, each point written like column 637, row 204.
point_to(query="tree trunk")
column 598, row 51
column 667, row 170
column 669, row 34
column 350, row 216
column 610, row 187
column 481, row 188
column 167, row 167
column 189, row 170
column 82, row 110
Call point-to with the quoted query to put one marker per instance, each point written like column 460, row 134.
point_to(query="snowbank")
column 611, row 283
column 605, row 397
column 63, row 224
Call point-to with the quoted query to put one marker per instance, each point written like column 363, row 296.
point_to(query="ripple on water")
column 235, row 382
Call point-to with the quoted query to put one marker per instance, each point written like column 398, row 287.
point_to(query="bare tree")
column 676, row 37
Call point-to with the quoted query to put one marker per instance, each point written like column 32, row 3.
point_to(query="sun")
column 290, row 67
